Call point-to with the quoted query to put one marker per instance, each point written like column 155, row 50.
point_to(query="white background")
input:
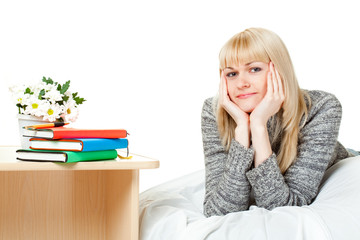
column 147, row 66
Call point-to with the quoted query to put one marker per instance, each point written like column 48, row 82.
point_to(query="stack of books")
column 63, row 144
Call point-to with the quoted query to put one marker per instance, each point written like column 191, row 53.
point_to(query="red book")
column 64, row 132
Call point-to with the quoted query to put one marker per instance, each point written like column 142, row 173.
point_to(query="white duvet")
column 173, row 211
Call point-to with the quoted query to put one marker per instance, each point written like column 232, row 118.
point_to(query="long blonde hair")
column 258, row 44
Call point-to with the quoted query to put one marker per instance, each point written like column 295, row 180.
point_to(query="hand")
column 272, row 101
column 269, row 105
column 240, row 117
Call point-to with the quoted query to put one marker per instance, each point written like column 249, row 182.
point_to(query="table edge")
column 123, row 164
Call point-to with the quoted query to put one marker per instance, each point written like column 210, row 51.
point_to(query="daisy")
column 18, row 93
column 33, row 106
column 51, row 112
column 71, row 111
column 53, row 95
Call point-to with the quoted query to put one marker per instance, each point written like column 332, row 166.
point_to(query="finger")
column 270, row 88
column 223, row 84
column 224, row 97
column 274, row 79
column 281, row 89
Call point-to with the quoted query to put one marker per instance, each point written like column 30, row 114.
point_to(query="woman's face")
column 247, row 84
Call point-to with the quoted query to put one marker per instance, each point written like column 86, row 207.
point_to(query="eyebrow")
column 246, row 64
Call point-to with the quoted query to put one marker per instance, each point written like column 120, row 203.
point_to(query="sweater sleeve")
column 227, row 188
column 316, row 146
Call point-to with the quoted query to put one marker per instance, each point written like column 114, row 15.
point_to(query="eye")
column 255, row 69
column 231, row 74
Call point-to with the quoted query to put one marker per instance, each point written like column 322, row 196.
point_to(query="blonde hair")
column 258, row 44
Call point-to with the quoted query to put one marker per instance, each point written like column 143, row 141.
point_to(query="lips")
column 245, row 95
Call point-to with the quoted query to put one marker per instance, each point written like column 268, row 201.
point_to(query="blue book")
column 79, row 144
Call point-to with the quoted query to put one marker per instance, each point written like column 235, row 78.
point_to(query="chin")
column 247, row 109
column 248, row 106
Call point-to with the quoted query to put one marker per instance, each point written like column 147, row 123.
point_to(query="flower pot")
column 28, row 120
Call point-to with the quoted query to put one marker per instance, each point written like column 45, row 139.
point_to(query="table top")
column 8, row 162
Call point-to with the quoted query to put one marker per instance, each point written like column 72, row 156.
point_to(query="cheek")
column 231, row 89
column 264, row 89
column 262, row 85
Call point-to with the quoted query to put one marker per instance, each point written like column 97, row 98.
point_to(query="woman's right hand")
column 241, row 118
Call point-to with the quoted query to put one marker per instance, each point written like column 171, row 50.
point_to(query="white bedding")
column 173, row 211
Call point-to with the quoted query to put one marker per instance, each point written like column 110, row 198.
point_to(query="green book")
column 64, row 156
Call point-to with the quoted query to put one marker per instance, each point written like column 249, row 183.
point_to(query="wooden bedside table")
column 84, row 200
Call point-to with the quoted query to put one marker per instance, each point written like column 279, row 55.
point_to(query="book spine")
column 90, row 134
column 90, row 156
column 104, row 144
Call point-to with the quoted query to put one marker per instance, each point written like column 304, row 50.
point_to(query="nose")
column 242, row 81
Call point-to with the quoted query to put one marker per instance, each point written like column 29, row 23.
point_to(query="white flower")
column 68, row 93
column 46, row 100
column 36, row 88
column 18, row 94
column 53, row 95
column 20, row 98
column 45, row 86
column 71, row 111
column 51, row 112
column 33, row 106
column 17, row 88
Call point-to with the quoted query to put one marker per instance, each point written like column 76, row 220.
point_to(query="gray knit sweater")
column 230, row 176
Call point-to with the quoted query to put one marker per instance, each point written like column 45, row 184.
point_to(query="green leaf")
column 47, row 81
column 79, row 100
column 41, row 94
column 65, row 87
column 28, row 91
column 65, row 98
column 20, row 107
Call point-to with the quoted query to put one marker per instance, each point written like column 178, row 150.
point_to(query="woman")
column 263, row 134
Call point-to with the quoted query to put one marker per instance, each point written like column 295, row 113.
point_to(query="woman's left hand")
column 272, row 101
